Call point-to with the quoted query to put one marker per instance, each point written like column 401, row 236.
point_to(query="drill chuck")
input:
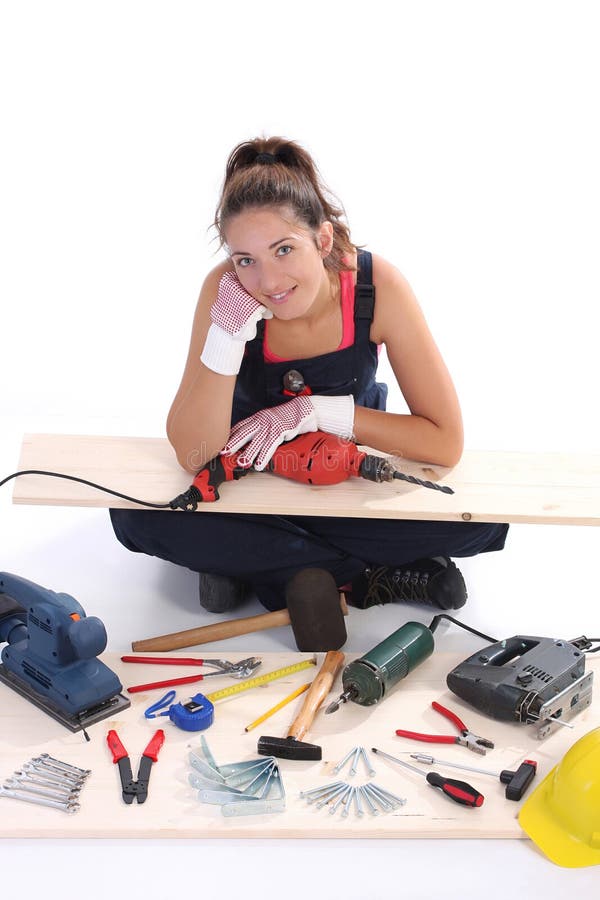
column 368, row 679
column 376, row 468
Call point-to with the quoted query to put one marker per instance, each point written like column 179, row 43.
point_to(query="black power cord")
column 98, row 487
column 437, row 619
column 582, row 643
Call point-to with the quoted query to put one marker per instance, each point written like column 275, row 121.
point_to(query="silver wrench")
column 68, row 807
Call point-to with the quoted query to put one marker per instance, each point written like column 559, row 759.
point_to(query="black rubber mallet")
column 292, row 746
column 316, row 611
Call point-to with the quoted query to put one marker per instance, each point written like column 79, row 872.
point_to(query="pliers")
column 466, row 738
column 135, row 789
column 242, row 669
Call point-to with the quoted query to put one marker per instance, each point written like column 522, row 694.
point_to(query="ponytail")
column 276, row 172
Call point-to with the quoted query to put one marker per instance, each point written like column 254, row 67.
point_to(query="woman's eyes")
column 244, row 261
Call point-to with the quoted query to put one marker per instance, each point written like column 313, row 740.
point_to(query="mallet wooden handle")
column 220, row 631
column 317, row 692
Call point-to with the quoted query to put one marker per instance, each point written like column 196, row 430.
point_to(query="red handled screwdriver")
column 459, row 791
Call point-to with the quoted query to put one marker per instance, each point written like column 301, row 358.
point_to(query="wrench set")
column 47, row 781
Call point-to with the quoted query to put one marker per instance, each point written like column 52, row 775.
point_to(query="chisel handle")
column 317, row 692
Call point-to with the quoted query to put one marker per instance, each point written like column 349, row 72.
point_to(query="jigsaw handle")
column 504, row 652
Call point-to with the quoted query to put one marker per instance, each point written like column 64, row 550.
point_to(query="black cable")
column 92, row 484
column 585, row 646
column 437, row 619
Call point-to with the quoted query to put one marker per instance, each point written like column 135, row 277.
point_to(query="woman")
column 285, row 340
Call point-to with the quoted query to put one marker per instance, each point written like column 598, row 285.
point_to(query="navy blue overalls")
column 265, row 551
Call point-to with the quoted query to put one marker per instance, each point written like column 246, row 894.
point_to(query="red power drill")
column 312, row 458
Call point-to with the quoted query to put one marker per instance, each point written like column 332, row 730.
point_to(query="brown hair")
column 277, row 172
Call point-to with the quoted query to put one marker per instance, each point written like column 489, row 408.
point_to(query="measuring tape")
column 198, row 713
column 260, row 679
column 195, row 714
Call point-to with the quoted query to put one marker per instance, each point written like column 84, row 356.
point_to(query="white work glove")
column 234, row 317
column 266, row 430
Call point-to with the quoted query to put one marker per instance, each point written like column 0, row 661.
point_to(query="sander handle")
column 317, row 692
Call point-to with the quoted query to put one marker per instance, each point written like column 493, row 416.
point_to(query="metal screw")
column 340, row 799
column 355, row 760
column 357, row 802
column 316, row 792
column 393, row 798
column 329, row 797
column 347, row 802
column 366, row 797
column 343, row 761
column 378, row 798
column 370, row 768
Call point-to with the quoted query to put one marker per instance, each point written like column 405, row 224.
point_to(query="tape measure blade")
column 259, row 680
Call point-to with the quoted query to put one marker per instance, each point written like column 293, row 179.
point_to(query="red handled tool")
column 138, row 789
column 311, row 458
column 516, row 782
column 242, row 669
column 466, row 738
column 459, row 791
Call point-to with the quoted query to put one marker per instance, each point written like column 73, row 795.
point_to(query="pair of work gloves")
column 235, row 315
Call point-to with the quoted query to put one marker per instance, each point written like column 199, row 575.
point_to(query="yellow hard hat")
column 562, row 816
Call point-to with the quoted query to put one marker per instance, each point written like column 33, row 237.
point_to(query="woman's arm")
column 433, row 431
column 200, row 416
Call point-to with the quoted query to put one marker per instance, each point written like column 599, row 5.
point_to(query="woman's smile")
column 282, row 297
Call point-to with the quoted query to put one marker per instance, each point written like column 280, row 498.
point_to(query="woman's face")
column 278, row 260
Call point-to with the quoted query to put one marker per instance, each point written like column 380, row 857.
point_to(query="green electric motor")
column 367, row 680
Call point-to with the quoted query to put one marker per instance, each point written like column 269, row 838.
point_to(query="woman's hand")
column 234, row 316
column 266, row 430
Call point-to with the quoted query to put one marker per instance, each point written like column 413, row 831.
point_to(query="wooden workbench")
column 173, row 811
column 546, row 488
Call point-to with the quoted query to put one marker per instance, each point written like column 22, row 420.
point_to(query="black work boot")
column 435, row 581
column 219, row 593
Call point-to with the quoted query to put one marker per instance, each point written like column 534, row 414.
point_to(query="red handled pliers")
column 138, row 789
column 242, row 669
column 466, row 738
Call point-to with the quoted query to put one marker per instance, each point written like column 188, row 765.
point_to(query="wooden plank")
column 173, row 811
column 544, row 488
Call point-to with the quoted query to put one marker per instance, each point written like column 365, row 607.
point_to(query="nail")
column 355, row 761
column 343, row 762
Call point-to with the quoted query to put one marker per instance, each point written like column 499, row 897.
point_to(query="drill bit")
column 428, row 484
column 380, row 468
column 350, row 694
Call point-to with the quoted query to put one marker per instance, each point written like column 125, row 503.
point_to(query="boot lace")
column 386, row 585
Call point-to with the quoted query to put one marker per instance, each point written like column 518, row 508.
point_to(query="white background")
column 463, row 140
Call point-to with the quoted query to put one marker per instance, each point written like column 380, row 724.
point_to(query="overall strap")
column 364, row 290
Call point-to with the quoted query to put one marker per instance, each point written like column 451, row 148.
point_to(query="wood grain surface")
column 173, row 811
column 544, row 488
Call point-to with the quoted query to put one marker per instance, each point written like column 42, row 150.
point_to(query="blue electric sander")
column 51, row 653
